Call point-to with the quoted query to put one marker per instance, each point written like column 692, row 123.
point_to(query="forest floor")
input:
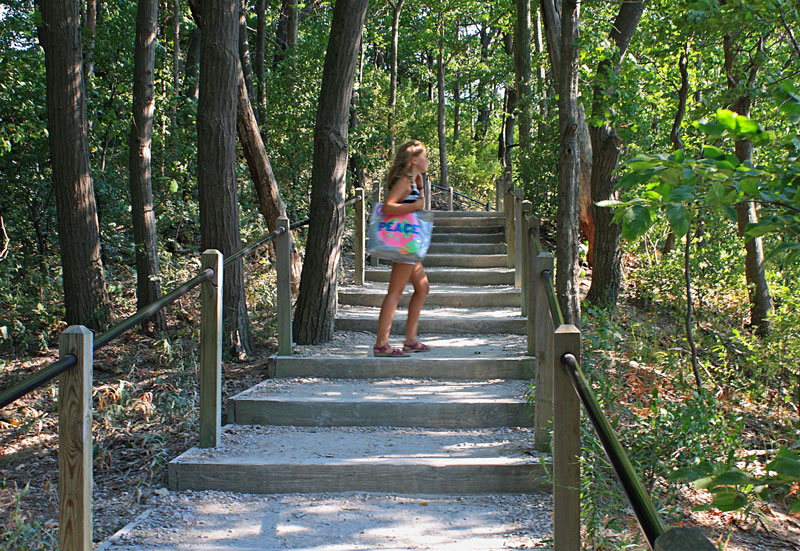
column 145, row 394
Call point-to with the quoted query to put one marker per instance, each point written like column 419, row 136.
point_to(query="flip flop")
column 415, row 347
column 387, row 351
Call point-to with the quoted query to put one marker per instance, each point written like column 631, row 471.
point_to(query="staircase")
column 452, row 421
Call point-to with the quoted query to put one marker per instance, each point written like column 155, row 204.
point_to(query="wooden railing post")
column 360, row 238
column 541, row 325
column 75, row 441
column 426, row 181
column 518, row 238
column 450, row 198
column 508, row 207
column 525, row 260
column 211, row 351
column 284, row 288
column 566, row 444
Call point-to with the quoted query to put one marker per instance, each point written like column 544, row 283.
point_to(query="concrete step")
column 416, row 366
column 461, row 296
column 475, row 321
column 459, row 220
column 462, row 260
column 491, row 215
column 463, row 276
column 486, row 238
column 452, row 228
column 383, row 402
column 286, row 460
column 467, row 248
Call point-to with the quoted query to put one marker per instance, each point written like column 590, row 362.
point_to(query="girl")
column 403, row 194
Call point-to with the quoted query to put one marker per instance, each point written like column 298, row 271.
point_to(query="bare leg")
column 397, row 282
column 421, row 289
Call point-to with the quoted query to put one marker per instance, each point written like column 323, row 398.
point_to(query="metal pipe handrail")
column 487, row 205
column 51, row 371
column 552, row 300
column 643, row 508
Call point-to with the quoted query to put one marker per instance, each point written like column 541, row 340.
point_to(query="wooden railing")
column 561, row 388
column 76, row 350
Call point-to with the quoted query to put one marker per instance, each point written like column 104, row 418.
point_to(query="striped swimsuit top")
column 414, row 194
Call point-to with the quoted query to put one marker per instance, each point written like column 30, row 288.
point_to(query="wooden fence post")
column 450, row 198
column 360, row 236
column 525, row 261
column 211, row 351
column 284, row 288
column 566, row 444
column 75, row 441
column 376, row 198
column 541, row 346
column 508, row 206
column 427, row 183
column 518, row 238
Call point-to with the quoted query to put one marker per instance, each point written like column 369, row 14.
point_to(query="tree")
column 522, row 82
column 148, row 286
column 85, row 295
column 568, row 167
column 606, row 147
column 316, row 305
column 216, row 157
column 397, row 7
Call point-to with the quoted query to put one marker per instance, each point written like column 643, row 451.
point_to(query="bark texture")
column 261, row 40
column 148, row 273
column 441, row 111
column 85, row 295
column 216, row 158
column 606, row 147
column 316, row 305
column 522, row 79
column 569, row 168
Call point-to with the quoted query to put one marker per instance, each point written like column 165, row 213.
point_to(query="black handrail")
column 487, row 204
column 643, row 508
column 51, row 371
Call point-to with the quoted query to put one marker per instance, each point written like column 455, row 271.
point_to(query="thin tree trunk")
column 569, row 167
column 689, row 338
column 148, row 274
column 261, row 41
column 456, row 108
column 216, row 159
column 90, row 32
column 758, row 290
column 606, row 147
column 522, row 82
column 316, row 305
column 176, row 73
column 192, row 63
column 244, row 52
column 484, row 111
column 441, row 113
column 397, row 8
column 85, row 297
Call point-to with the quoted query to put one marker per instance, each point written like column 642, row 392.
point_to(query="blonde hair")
column 402, row 161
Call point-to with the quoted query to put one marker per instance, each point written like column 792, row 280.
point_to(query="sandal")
column 415, row 347
column 387, row 351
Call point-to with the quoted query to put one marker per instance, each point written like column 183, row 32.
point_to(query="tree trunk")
column 484, row 111
column 85, row 296
column 757, row 288
column 456, row 107
column 244, row 52
column 398, row 6
column 216, row 159
column 569, row 168
column 90, row 31
column 316, row 305
column 441, row 112
column 522, row 82
column 148, row 274
column 606, row 147
column 261, row 41
column 192, row 62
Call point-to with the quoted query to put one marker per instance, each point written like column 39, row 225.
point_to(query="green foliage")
column 20, row 533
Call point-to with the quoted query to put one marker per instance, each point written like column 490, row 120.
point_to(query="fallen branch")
column 4, row 251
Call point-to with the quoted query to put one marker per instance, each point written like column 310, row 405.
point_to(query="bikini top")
column 414, row 193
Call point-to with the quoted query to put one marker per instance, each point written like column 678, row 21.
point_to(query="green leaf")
column 711, row 152
column 745, row 125
column 728, row 499
column 636, row 220
column 678, row 217
column 610, row 203
column 679, row 156
column 733, row 478
column 727, row 119
column 786, row 464
column 682, row 194
column 749, row 186
column 173, row 186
